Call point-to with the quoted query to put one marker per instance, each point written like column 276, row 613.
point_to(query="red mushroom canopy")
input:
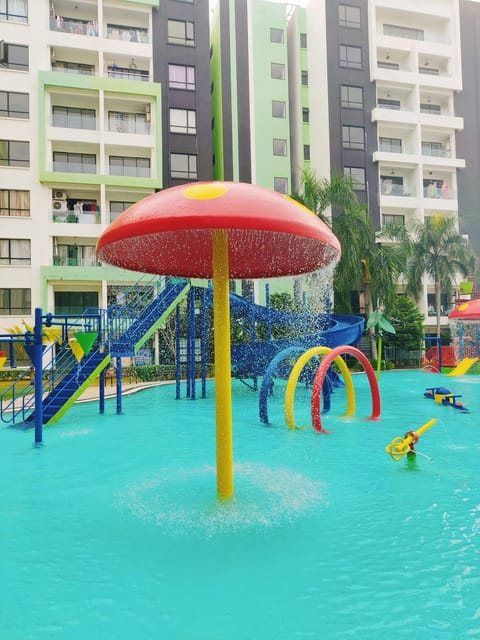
column 466, row 311
column 170, row 233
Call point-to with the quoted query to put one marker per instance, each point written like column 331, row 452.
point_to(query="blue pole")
column 193, row 371
column 269, row 317
column 119, row 385
column 37, row 363
column 203, row 342
column 254, row 339
column 178, row 366
column 187, row 362
column 101, row 397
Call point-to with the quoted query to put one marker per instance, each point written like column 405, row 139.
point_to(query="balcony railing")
column 435, row 152
column 120, row 73
column 87, row 217
column 388, row 189
column 127, row 34
column 74, row 121
column 130, row 126
column 74, row 67
column 74, row 167
column 76, row 261
column 390, row 148
column 437, row 193
column 74, row 26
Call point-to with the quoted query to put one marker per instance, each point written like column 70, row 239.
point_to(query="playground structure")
column 400, row 447
column 464, row 352
column 323, row 381
column 220, row 230
column 445, row 397
column 110, row 335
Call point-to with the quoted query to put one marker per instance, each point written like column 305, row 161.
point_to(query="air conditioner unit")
column 60, row 206
column 59, row 195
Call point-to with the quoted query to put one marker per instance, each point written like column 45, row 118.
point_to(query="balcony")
column 439, row 192
column 135, row 123
column 74, row 26
column 74, row 67
column 70, row 216
column 127, row 73
column 129, row 167
column 75, row 255
column 399, row 190
column 127, row 34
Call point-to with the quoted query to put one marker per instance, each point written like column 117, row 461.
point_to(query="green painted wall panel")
column 269, row 15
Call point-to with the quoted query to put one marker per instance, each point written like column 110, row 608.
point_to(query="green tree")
column 408, row 323
column 319, row 193
column 439, row 252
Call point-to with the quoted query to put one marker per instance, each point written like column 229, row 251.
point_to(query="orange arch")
column 322, row 372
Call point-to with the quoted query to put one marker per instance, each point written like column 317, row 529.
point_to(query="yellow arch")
column 295, row 374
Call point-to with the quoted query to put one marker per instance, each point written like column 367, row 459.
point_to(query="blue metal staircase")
column 122, row 329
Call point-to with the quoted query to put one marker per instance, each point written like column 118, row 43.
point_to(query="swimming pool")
column 113, row 529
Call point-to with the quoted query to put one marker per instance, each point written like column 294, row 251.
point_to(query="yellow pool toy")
column 399, row 447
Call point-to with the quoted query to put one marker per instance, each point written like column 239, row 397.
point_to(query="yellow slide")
column 463, row 367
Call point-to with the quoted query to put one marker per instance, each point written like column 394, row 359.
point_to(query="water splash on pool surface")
column 179, row 500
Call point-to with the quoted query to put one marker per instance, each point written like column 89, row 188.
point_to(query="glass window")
column 279, row 109
column 14, row 252
column 15, row 302
column 14, row 203
column 276, row 35
column 304, row 78
column 392, row 218
column 403, row 32
column 181, row 32
column 73, row 117
column 391, row 145
column 181, row 77
column 351, row 97
column 280, row 185
column 277, row 71
column 75, row 302
column 353, row 137
column 74, row 162
column 357, row 176
column 117, row 207
column 14, row 104
column 126, row 122
column 350, row 57
column 129, row 166
column 14, row 10
column 306, row 152
column 348, row 16
column 74, row 67
column 15, row 56
column 279, row 147
column 303, row 40
column 386, row 103
column 183, row 121
column 305, row 114
column 427, row 107
column 183, row 165
column 14, row 153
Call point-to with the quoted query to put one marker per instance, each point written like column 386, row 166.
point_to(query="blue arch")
column 267, row 378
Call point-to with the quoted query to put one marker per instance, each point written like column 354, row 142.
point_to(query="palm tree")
column 439, row 252
column 319, row 193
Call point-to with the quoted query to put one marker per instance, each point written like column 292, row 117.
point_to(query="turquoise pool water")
column 113, row 531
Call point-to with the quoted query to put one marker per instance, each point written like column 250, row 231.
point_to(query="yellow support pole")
column 223, row 382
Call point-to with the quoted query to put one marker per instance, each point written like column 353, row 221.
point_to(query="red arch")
column 320, row 377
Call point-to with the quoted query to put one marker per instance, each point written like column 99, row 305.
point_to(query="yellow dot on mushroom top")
column 464, row 306
column 302, row 206
column 207, row 191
